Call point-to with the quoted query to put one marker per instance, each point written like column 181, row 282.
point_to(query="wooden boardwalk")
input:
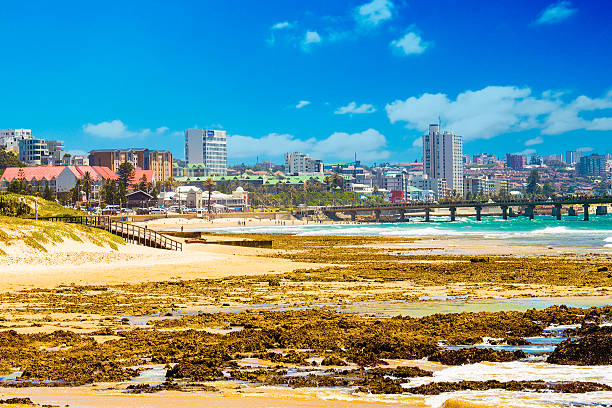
column 131, row 233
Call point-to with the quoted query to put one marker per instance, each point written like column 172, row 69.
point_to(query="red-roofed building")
column 59, row 179
column 149, row 175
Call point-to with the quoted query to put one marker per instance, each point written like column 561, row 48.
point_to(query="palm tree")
column 209, row 185
column 87, row 182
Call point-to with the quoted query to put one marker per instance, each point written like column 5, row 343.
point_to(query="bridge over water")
column 505, row 207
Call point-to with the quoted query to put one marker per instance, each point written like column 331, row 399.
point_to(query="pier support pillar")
column 353, row 216
column 478, row 213
column 453, row 213
column 377, row 215
column 504, row 209
column 530, row 211
column 571, row 212
column 402, row 216
column 558, row 211
column 586, row 211
column 427, row 211
column 601, row 210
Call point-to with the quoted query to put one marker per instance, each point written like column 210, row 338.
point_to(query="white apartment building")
column 40, row 152
column 9, row 138
column 443, row 157
column 435, row 188
column 302, row 165
column 207, row 147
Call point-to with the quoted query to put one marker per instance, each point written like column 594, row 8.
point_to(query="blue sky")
column 326, row 77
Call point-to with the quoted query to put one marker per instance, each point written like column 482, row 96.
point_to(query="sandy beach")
column 108, row 298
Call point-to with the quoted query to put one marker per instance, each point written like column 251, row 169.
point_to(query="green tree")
column 9, row 159
column 47, row 193
column 109, row 191
column 87, row 183
column 125, row 173
column 549, row 190
column 209, row 185
column 75, row 192
column 121, row 193
column 143, row 183
column 533, row 186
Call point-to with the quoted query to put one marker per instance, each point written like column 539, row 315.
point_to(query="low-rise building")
column 484, row 185
column 59, row 179
column 432, row 189
column 190, row 170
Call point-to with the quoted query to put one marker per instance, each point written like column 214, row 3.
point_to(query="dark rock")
column 592, row 349
column 474, row 355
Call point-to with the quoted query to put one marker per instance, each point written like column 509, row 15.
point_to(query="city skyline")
column 521, row 77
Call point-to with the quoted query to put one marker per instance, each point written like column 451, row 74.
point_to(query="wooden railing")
column 131, row 233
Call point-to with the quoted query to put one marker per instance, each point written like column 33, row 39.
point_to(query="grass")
column 45, row 208
column 37, row 234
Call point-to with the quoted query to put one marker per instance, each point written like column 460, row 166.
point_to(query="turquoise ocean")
column 542, row 230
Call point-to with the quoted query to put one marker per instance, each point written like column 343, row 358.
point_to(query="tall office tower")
column 573, row 156
column 443, row 157
column 208, row 147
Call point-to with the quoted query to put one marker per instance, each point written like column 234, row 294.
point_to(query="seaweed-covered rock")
column 593, row 349
column 436, row 388
column 474, row 355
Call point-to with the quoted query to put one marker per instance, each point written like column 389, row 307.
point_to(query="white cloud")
column 369, row 145
column 310, row 38
column 495, row 110
column 556, row 13
column 352, row 108
column 374, row 12
column 418, row 142
column 409, row 44
column 281, row 25
column 535, row 141
column 302, row 104
column 526, row 152
column 585, row 149
column 116, row 129
column 76, row 152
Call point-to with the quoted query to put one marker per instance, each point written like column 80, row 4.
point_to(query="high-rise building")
column 159, row 161
column 592, row 165
column 443, row 157
column 573, row 156
column 207, row 147
column 302, row 164
column 9, row 138
column 516, row 161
